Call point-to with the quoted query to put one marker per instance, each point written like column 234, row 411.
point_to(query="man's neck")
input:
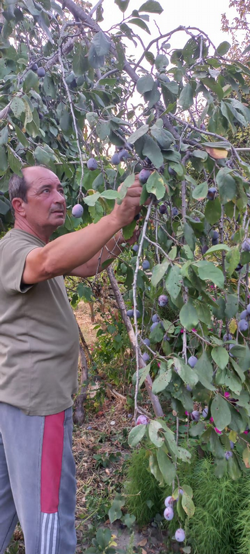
column 40, row 234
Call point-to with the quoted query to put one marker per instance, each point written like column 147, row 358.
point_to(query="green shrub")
column 221, row 523
column 143, row 493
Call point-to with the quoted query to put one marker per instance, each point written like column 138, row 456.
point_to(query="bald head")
column 18, row 186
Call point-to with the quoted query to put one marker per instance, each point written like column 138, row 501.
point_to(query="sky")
column 205, row 14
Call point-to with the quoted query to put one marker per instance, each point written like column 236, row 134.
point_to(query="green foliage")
column 142, row 491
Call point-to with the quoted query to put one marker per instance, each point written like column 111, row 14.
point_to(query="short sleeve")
column 13, row 256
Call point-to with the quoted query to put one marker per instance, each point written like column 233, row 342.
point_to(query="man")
column 39, row 356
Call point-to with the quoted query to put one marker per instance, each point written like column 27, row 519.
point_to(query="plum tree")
column 85, row 106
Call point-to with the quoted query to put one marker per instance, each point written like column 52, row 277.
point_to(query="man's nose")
column 59, row 197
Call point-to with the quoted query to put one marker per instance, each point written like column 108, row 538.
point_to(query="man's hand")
column 125, row 212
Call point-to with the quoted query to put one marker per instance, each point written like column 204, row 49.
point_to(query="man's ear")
column 18, row 206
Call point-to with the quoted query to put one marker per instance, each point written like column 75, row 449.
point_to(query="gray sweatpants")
column 37, row 481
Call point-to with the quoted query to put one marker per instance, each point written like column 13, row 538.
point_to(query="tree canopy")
column 70, row 92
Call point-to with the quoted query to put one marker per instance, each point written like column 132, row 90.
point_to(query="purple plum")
column 142, row 420
column 145, row 264
column 169, row 501
column 144, row 175
column 168, row 513
column 40, row 72
column 146, row 342
column 180, row 535
column 92, row 164
column 192, row 361
column 155, row 318
column 115, row 160
column 243, row 325
column 228, row 454
column 195, row 415
column 162, row 300
column 211, row 193
column 145, row 357
column 77, row 210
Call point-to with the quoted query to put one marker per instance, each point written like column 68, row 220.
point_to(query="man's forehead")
column 36, row 176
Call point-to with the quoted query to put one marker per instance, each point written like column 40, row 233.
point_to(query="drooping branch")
column 120, row 302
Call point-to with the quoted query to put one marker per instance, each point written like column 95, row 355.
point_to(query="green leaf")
column 158, row 272
column 213, row 211
column 200, row 191
column 156, row 185
column 14, row 163
column 161, row 382
column 110, row 194
column 3, row 160
column 187, row 374
column 161, row 62
column 115, row 511
column 138, row 134
column 21, row 137
column 232, row 260
column 140, row 23
column 204, row 370
column 223, row 48
column 188, row 505
column 186, row 97
column 200, row 154
column 17, row 106
column 101, row 43
column 30, row 81
column 166, row 466
column 151, row 7
column 49, row 87
column 220, row 356
column 41, row 156
column 80, row 60
column 145, row 83
column 226, row 184
column 153, row 429
column 136, row 435
column 152, row 151
column 128, row 230
column 188, row 316
column 217, row 248
column 220, row 411
column 173, row 281
column 231, row 306
column 91, row 199
column 125, row 186
column 4, row 135
column 197, row 429
column 208, row 271
column 189, row 236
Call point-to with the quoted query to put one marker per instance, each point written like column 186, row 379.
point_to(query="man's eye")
column 45, row 190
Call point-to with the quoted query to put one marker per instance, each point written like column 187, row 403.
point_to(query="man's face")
column 46, row 206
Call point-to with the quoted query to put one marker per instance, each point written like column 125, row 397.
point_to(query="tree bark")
column 120, row 302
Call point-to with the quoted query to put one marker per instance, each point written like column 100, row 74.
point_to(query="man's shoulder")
column 20, row 237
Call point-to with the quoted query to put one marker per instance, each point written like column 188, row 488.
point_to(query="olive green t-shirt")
column 39, row 342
